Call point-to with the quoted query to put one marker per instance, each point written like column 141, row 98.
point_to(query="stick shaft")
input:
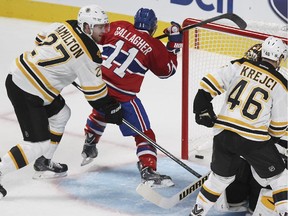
column 152, row 142
column 233, row 17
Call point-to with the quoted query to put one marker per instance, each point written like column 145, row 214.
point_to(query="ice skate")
column 90, row 151
column 47, row 169
column 197, row 211
column 153, row 178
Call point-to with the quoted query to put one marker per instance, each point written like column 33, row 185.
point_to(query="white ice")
column 107, row 186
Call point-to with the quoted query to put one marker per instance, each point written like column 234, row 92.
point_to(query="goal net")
column 205, row 49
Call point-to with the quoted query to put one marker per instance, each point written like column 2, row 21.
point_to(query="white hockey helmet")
column 273, row 49
column 92, row 15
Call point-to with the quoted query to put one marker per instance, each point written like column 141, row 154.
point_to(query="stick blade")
column 168, row 202
column 237, row 20
column 152, row 196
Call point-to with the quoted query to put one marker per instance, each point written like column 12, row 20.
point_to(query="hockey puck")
column 199, row 156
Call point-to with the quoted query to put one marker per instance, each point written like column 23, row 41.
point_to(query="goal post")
column 206, row 48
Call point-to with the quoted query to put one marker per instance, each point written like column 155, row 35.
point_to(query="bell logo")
column 218, row 6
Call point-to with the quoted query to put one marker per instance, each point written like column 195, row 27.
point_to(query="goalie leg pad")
column 210, row 192
column 279, row 186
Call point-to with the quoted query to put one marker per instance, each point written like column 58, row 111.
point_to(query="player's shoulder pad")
column 89, row 44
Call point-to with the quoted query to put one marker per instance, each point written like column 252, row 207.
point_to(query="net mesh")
column 210, row 49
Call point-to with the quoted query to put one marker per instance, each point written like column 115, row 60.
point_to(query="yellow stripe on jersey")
column 41, row 76
column 208, row 88
column 242, row 128
column 215, row 82
column 79, row 40
column 95, row 93
column 32, row 81
column 276, row 133
column 210, row 84
column 278, row 124
column 93, row 88
column 278, row 129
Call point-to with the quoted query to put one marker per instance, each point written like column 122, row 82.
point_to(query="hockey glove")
column 206, row 117
column 175, row 37
column 203, row 109
column 113, row 112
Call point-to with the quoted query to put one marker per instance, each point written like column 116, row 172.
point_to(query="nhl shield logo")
column 280, row 8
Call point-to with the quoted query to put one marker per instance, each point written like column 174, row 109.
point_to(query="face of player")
column 99, row 31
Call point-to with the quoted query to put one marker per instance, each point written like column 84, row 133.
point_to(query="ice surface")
column 107, row 186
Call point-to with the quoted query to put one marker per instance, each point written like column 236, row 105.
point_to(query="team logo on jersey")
column 280, row 8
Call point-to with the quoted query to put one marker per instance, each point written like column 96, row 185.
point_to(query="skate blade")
column 164, row 183
column 48, row 175
column 86, row 161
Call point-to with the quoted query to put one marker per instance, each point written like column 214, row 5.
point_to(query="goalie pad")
column 265, row 204
column 223, row 206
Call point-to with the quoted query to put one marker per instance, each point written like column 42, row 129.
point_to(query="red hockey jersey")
column 128, row 54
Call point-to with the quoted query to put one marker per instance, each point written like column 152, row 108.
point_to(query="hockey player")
column 64, row 52
column 252, row 118
column 129, row 52
column 245, row 193
column 244, row 190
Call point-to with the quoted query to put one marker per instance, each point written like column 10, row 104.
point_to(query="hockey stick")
column 230, row 16
column 168, row 202
column 152, row 142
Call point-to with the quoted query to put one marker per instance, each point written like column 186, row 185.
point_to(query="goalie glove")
column 175, row 37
